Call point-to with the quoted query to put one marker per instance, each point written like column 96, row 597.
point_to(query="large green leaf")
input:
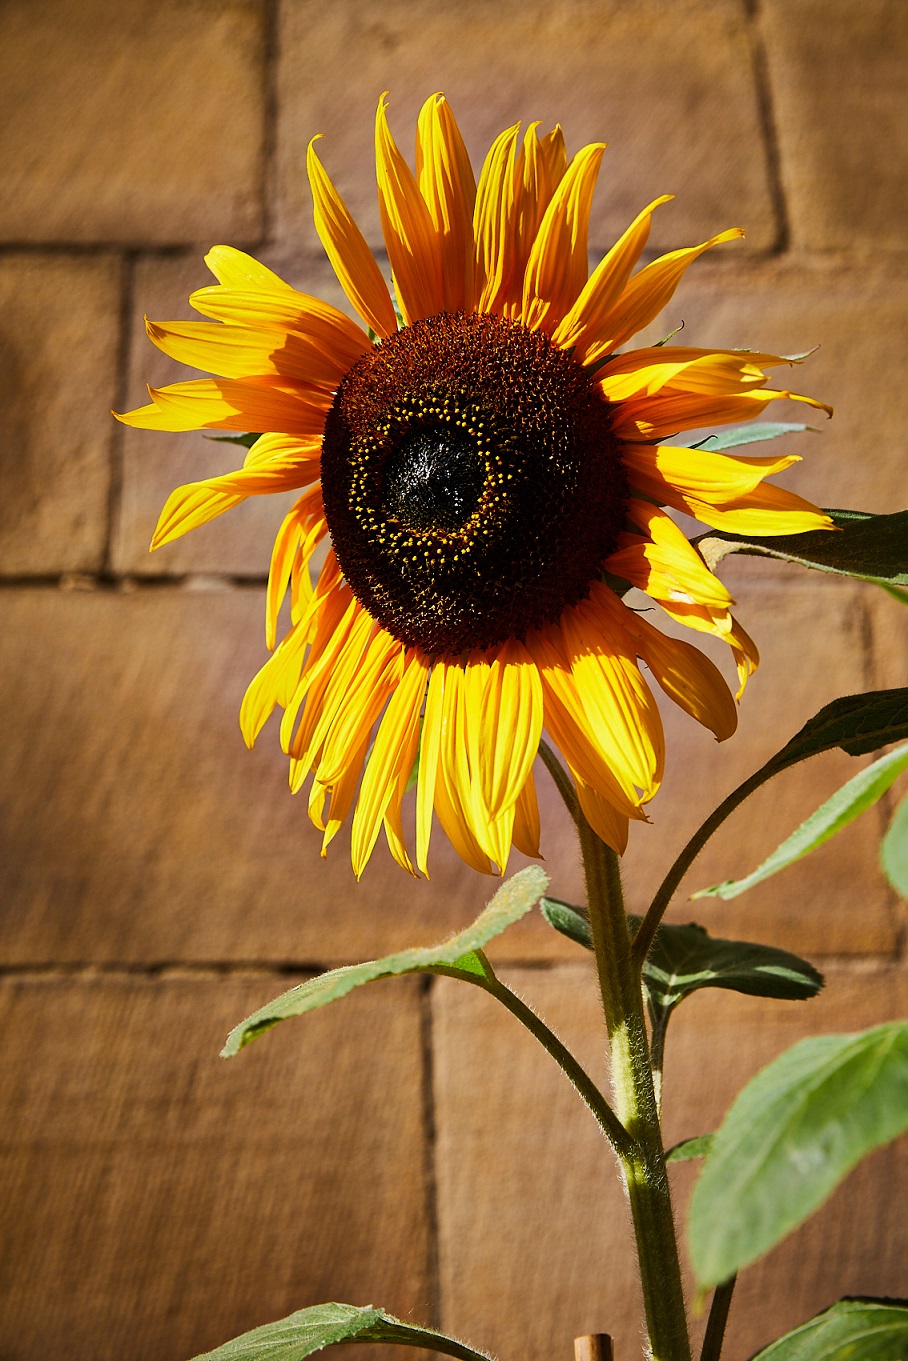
column 309, row 1330
column 852, row 1330
column 459, row 956
column 860, row 793
column 856, row 723
column 894, row 850
column 683, row 959
column 871, row 547
column 791, row 1136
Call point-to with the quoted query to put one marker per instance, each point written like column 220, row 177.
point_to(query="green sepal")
column 852, row 1330
column 860, row 793
column 793, row 1133
column 246, row 441
column 870, row 547
column 460, row 956
column 894, row 850
column 323, row 1325
column 736, row 435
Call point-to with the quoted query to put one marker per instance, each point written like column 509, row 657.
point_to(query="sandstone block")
column 671, row 88
column 157, row 1201
column 59, row 337
column 837, row 79
column 534, row 1240
column 136, row 124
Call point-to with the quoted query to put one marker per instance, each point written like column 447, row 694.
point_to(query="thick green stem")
column 635, row 1104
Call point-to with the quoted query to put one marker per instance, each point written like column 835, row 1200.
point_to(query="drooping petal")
column 429, row 749
column 368, row 687
column 618, row 702
column 392, row 757
column 686, row 676
column 407, row 227
column 303, row 527
column 610, row 825
column 447, row 185
column 527, row 828
column 345, row 246
column 558, row 263
column 663, row 563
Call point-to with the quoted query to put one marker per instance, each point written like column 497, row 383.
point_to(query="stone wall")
column 408, row 1147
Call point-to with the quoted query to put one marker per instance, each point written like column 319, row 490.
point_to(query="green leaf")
column 859, row 794
column 871, row 547
column 309, row 1330
column 856, row 723
column 684, row 959
column 460, row 956
column 894, row 850
column 736, row 435
column 697, row 1147
column 791, row 1136
column 852, row 1330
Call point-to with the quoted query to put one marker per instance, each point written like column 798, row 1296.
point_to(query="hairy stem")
column 635, row 1103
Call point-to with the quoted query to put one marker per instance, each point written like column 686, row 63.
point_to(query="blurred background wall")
column 407, row 1147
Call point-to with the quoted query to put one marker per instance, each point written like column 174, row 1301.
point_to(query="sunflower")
column 488, row 467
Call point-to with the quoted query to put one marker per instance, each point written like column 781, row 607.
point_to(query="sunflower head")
column 482, row 470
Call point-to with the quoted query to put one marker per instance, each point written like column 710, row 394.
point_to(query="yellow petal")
column 242, row 352
column 658, row 418
column 351, row 259
column 510, row 726
column 618, row 702
column 558, row 263
column 289, row 311
column 429, row 749
column 407, row 227
column 610, row 825
column 664, row 564
column 492, row 220
column 582, row 326
column 448, row 188
column 294, row 527
column 526, row 819
column 230, row 404
column 687, row 677
column 365, row 693
column 392, row 758
column 646, row 294
column 681, row 369
column 236, row 269
column 198, row 502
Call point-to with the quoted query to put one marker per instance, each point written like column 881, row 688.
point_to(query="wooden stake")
column 593, row 1347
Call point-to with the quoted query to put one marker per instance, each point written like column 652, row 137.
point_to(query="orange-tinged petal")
column 646, row 294
column 678, row 368
column 555, row 153
column 296, row 524
column 583, row 325
column 273, row 684
column 198, row 502
column 558, row 263
column 687, row 677
column 407, row 227
column 345, row 246
column 231, row 404
column 492, row 220
column 610, row 825
column 392, row 758
column 341, row 629
column 343, row 792
column 527, row 829
column 448, row 188
column 242, row 351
